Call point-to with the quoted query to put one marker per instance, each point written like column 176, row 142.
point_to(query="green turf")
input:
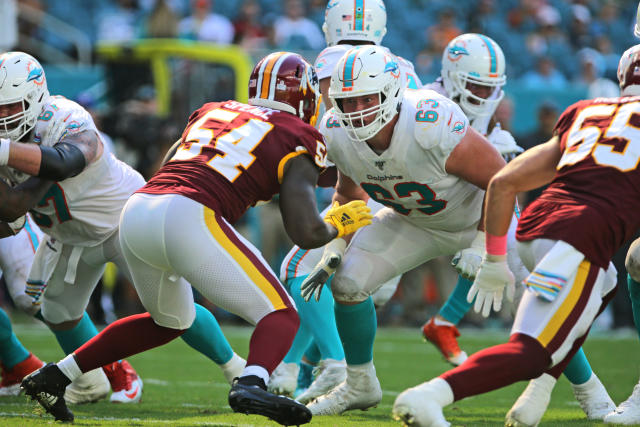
column 184, row 388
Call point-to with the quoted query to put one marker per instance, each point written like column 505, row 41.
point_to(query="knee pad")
column 347, row 289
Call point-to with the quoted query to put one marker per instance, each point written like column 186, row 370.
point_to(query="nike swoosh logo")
column 133, row 393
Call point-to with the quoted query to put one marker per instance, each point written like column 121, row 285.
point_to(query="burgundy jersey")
column 593, row 202
column 233, row 155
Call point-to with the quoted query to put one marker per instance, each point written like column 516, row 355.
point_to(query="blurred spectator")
column 485, row 19
column 119, row 22
column 316, row 11
column 550, row 40
column 504, row 113
column 604, row 46
column 442, row 32
column 205, row 25
column 591, row 70
column 90, row 103
column 8, row 25
column 548, row 113
column 579, row 31
column 608, row 21
column 544, row 76
column 294, row 31
column 162, row 21
column 249, row 31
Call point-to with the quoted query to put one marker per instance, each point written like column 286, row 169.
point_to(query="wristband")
column 496, row 245
column 5, row 146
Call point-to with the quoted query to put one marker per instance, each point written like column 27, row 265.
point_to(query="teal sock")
column 205, row 336
column 319, row 318
column 300, row 343
column 305, row 376
column 357, row 325
column 73, row 338
column 634, row 293
column 578, row 371
column 312, row 354
column 456, row 305
column 12, row 351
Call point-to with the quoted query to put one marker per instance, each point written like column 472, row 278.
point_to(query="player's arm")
column 16, row 201
column 532, row 169
column 65, row 159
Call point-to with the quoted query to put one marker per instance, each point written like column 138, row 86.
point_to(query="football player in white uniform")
column 59, row 170
column 414, row 152
column 366, row 26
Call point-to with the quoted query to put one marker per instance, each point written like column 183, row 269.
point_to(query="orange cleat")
column 443, row 335
column 11, row 378
column 125, row 382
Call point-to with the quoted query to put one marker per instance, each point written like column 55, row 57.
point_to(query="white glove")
column 5, row 143
column 331, row 259
column 487, row 289
column 467, row 261
column 504, row 142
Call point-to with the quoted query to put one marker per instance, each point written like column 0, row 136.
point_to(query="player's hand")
column 349, row 217
column 467, row 261
column 504, row 142
column 494, row 275
column 331, row 259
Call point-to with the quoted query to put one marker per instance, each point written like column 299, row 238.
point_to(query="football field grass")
column 183, row 388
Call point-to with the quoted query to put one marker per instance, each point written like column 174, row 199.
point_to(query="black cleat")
column 47, row 385
column 249, row 397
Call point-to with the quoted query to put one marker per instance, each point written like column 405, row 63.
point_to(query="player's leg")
column 230, row 272
column 628, row 412
column 544, row 334
column 15, row 360
column 387, row 248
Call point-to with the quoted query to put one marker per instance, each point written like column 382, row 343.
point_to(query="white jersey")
column 329, row 57
column 410, row 175
column 83, row 210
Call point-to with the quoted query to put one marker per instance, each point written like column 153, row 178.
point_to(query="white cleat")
column 88, row 388
column 593, row 398
column 330, row 373
column 284, row 379
column 628, row 412
column 361, row 390
column 532, row 403
column 125, row 382
column 421, row 406
column 233, row 368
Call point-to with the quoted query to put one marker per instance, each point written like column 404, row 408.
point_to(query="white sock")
column 442, row 322
column 69, row 367
column 231, row 361
column 258, row 371
column 444, row 394
column 591, row 382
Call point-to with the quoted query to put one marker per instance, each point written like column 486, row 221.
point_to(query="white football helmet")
column 476, row 59
column 354, row 20
column 22, row 80
column 366, row 70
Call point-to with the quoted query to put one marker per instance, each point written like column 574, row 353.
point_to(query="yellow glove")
column 349, row 217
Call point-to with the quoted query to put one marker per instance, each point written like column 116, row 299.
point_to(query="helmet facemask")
column 354, row 123
column 473, row 105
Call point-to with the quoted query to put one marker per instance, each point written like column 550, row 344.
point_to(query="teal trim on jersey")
column 12, row 351
column 33, row 237
column 358, row 16
column 456, row 305
column 634, row 293
column 578, row 371
column 493, row 66
column 204, row 335
column 75, row 337
column 357, row 325
column 411, row 82
column 293, row 264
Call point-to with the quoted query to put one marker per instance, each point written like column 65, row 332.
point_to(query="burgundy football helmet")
column 285, row 81
column 629, row 71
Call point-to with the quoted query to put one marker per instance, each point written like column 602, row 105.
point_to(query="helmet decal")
column 456, row 52
column 493, row 63
column 348, row 75
column 269, row 70
column 358, row 15
column 36, row 75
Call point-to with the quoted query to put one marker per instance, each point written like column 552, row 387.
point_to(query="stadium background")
column 141, row 66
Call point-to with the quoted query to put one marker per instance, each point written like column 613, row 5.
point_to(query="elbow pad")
column 61, row 161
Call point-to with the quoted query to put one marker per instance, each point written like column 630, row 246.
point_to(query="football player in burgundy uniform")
column 178, row 228
column 566, row 239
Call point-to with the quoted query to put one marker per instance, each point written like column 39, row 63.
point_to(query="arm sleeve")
column 61, row 161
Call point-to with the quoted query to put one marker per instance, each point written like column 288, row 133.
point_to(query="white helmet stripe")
column 274, row 75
